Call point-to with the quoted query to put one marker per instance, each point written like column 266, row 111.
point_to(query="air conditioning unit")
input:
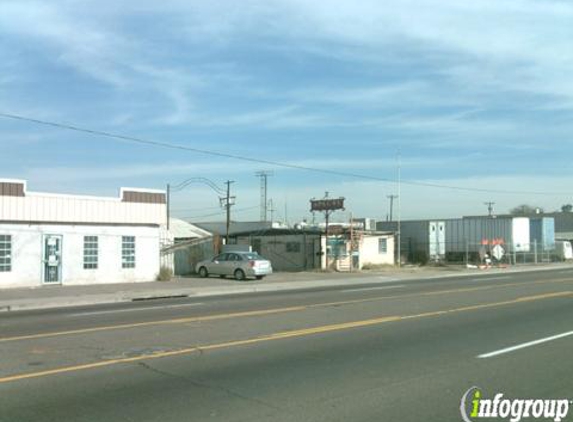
column 369, row 224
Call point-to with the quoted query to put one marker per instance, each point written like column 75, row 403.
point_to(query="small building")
column 303, row 249
column 287, row 249
column 49, row 238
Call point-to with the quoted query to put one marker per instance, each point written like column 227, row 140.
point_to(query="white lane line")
column 373, row 288
column 502, row 277
column 524, row 345
column 148, row 308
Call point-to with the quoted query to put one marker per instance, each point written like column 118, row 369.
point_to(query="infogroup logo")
column 474, row 407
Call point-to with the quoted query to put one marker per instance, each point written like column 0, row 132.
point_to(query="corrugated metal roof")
column 180, row 229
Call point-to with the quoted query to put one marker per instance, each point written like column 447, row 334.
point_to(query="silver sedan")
column 237, row 264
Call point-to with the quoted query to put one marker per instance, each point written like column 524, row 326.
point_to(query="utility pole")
column 399, row 209
column 326, row 215
column 228, row 202
column 272, row 210
column 168, row 206
column 489, row 207
column 391, row 198
column 263, row 175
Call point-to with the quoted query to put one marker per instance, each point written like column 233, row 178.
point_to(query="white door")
column 437, row 240
column 441, row 234
column 52, row 259
column 433, row 240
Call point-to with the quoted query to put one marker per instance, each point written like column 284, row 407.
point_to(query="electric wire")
column 167, row 145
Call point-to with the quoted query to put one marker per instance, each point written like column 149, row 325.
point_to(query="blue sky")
column 472, row 94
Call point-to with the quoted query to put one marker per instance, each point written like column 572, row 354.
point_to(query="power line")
column 238, row 210
column 195, row 209
column 167, row 145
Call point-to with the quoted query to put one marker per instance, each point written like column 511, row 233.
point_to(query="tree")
column 525, row 209
column 567, row 208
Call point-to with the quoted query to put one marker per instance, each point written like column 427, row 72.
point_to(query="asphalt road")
column 400, row 351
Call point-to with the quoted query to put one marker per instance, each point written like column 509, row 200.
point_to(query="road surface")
column 398, row 351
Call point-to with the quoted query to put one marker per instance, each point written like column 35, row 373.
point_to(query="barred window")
column 382, row 246
column 5, row 253
column 90, row 252
column 128, row 251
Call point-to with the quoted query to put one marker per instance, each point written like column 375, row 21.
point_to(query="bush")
column 165, row 274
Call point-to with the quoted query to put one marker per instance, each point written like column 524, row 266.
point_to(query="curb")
column 369, row 279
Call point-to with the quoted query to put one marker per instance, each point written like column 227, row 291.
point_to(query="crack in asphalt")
column 199, row 384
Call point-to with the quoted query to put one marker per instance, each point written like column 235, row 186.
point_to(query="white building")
column 50, row 238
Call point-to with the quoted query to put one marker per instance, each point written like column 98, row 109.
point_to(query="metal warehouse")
column 48, row 238
column 460, row 238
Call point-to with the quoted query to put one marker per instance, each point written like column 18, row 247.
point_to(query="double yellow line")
column 279, row 336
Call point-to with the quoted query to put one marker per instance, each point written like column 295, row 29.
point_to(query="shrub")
column 165, row 274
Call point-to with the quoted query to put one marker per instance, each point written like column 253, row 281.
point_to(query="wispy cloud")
column 459, row 87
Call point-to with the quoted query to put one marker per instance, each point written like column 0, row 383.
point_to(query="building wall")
column 38, row 207
column 28, row 244
column 132, row 206
column 287, row 252
column 369, row 252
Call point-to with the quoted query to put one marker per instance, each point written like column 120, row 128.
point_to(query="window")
column 382, row 246
column 90, row 252
column 222, row 257
column 128, row 251
column 256, row 245
column 293, row 247
column 5, row 253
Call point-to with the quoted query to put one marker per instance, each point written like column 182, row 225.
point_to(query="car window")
column 222, row 257
column 253, row 255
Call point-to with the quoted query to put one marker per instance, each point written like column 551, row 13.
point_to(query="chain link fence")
column 496, row 253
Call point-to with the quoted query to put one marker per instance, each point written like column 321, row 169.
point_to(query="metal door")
column 437, row 240
column 441, row 235
column 52, row 259
column 433, row 240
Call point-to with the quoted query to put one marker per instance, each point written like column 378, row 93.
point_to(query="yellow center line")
column 264, row 312
column 151, row 323
column 279, row 336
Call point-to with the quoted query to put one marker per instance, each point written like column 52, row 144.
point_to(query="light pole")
column 391, row 198
column 399, row 210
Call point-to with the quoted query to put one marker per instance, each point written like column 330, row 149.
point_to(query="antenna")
column 263, row 175
column 489, row 207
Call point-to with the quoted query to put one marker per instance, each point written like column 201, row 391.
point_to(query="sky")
column 472, row 101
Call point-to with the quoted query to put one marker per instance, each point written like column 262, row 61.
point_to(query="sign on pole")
column 327, row 204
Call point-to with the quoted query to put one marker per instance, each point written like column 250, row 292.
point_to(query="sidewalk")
column 66, row 296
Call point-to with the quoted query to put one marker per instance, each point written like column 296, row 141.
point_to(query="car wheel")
column 259, row 277
column 203, row 273
column 239, row 275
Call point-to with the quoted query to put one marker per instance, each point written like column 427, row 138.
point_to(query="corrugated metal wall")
column 36, row 207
